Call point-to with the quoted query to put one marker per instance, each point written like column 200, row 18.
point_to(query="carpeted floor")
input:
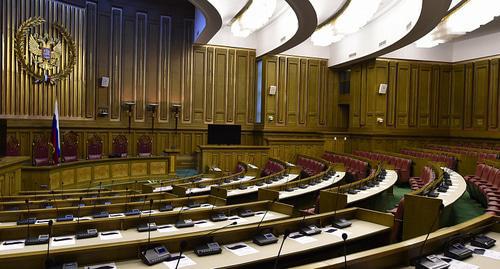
column 186, row 172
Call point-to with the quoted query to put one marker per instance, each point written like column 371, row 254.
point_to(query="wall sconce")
column 152, row 107
column 129, row 105
column 345, row 138
column 176, row 109
column 102, row 112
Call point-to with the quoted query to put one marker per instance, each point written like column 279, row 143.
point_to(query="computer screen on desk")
column 224, row 134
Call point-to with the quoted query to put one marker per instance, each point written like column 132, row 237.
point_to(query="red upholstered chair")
column 397, row 229
column 120, row 146
column 41, row 151
column 94, row 148
column 144, row 146
column 13, row 147
column 70, row 147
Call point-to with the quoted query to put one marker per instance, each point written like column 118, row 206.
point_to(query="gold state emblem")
column 45, row 52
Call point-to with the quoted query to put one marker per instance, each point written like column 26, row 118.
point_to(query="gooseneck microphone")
column 285, row 236
column 266, row 237
column 48, row 262
column 429, row 263
column 344, row 238
column 183, row 223
column 153, row 254
column 182, row 246
column 341, row 222
column 211, row 247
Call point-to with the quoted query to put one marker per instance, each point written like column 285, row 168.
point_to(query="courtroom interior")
column 203, row 134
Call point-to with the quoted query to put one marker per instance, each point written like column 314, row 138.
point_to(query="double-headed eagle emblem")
column 44, row 61
column 45, row 51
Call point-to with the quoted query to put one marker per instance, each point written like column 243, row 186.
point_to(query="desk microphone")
column 62, row 190
column 151, row 255
column 285, row 236
column 308, row 230
column 147, row 227
column 60, row 218
column 102, row 214
column 182, row 246
column 265, row 238
column 136, row 211
column 218, row 216
column 432, row 261
column 344, row 238
column 27, row 220
column 341, row 222
column 89, row 233
column 183, row 223
column 48, row 262
column 212, row 247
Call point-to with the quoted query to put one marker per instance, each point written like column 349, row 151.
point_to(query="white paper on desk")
column 116, row 215
column 55, row 243
column 83, row 218
column 185, row 261
column 205, row 205
column 110, row 235
column 247, row 250
column 237, row 219
column 146, row 212
column 338, row 232
column 261, row 214
column 203, row 223
column 42, row 221
column 304, row 239
column 111, row 266
column 491, row 254
column 13, row 246
column 166, row 228
column 455, row 264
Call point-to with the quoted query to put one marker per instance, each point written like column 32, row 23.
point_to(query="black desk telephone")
column 432, row 262
column 266, row 238
column 208, row 249
column 154, row 255
column 458, row 252
column 482, row 241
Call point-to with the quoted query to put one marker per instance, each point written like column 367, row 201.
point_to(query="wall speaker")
column 3, row 137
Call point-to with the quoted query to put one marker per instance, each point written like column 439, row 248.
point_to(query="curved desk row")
column 401, row 254
column 366, row 225
column 67, row 195
column 80, row 173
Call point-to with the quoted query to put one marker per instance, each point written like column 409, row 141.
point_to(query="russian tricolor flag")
column 56, row 141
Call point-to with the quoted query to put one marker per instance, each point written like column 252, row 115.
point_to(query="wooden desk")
column 10, row 174
column 227, row 157
column 232, row 190
column 456, row 190
column 321, row 185
column 367, row 225
column 400, row 254
column 80, row 173
column 69, row 194
column 390, row 179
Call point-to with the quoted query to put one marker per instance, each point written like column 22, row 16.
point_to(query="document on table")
column 110, row 235
column 185, row 261
column 241, row 249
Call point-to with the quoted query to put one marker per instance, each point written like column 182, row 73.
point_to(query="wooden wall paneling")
column 90, row 58
column 332, row 89
column 186, row 72
column 140, row 60
column 231, row 87
column 369, row 93
column 381, row 77
column 163, row 71
column 355, row 92
column 434, row 96
column 303, row 91
column 220, row 84
column 458, row 93
column 323, row 100
column 363, row 102
column 468, row 95
column 403, row 85
column 209, row 88
column 494, row 95
column 199, row 84
column 114, row 63
column 424, row 95
column 444, row 97
column 312, row 93
column 413, row 94
column 252, row 89
column 243, row 94
column 270, row 74
column 281, row 93
column 292, row 91
column 480, row 94
column 391, row 94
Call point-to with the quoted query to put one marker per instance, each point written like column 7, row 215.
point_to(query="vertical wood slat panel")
column 281, row 94
column 444, row 97
column 469, row 93
column 423, row 95
column 355, row 92
column 229, row 106
column 187, row 52
column 115, row 54
column 164, row 69
column 413, row 94
column 480, row 94
column 140, row 50
column 209, row 88
column 494, row 94
column 391, row 97
column 90, row 58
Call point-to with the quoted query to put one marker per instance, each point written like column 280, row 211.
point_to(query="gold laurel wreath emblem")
column 20, row 48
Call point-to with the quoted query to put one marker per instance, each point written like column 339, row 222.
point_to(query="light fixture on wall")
column 349, row 19
column 252, row 17
column 129, row 106
column 176, row 110
column 463, row 18
column 152, row 107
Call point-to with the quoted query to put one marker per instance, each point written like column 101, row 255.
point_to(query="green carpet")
column 186, row 172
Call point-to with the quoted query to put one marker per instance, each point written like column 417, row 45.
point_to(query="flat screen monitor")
column 224, row 134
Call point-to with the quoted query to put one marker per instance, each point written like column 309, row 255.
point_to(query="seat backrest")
column 144, row 146
column 70, row 147
column 41, row 151
column 13, row 147
column 120, row 146
column 492, row 175
column 94, row 147
column 486, row 172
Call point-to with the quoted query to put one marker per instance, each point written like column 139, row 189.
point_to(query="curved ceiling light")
column 354, row 15
column 255, row 15
column 465, row 17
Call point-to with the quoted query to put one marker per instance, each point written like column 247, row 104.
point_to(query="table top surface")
column 207, row 188
column 322, row 185
column 255, row 188
column 165, row 230
column 252, row 253
column 456, row 190
column 390, row 179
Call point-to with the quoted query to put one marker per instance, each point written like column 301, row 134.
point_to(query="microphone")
column 62, row 190
column 41, row 239
column 344, row 238
column 218, row 216
column 183, row 223
column 152, row 254
column 181, row 250
column 431, row 261
column 68, row 217
column 49, row 263
column 265, row 238
column 136, row 211
column 27, row 220
column 285, row 236
column 308, row 230
column 101, row 214
column 341, row 222
column 147, row 227
column 89, row 233
column 212, row 247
